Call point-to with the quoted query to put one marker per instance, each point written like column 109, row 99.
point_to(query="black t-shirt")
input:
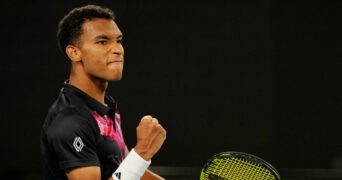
column 79, row 131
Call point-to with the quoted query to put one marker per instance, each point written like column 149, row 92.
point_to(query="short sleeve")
column 72, row 137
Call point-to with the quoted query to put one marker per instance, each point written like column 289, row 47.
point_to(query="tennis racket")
column 238, row 166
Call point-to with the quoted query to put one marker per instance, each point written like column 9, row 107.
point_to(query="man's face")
column 102, row 53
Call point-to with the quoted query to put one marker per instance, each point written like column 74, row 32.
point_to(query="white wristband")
column 131, row 168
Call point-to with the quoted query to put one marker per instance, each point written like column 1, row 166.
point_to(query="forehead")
column 96, row 27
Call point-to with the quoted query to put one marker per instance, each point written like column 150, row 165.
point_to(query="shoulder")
column 70, row 115
column 73, row 116
column 71, row 121
column 68, row 110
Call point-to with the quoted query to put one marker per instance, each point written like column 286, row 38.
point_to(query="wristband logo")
column 118, row 175
column 78, row 144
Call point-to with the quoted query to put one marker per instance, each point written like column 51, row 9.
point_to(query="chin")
column 115, row 79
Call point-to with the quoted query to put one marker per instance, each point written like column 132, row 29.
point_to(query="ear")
column 73, row 53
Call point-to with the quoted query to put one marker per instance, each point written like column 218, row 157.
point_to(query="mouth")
column 119, row 61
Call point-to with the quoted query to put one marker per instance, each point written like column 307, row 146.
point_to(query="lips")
column 115, row 61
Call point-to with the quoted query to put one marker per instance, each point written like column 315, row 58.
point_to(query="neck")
column 95, row 88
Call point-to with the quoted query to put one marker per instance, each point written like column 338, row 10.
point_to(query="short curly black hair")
column 70, row 26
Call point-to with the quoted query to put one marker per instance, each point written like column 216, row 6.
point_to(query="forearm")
column 149, row 175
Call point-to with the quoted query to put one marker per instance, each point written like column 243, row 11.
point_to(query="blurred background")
column 263, row 77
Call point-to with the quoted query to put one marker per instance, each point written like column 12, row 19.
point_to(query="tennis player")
column 82, row 137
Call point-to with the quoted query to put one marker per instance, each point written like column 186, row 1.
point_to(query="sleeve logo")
column 78, row 144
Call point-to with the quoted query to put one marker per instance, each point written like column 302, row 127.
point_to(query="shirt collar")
column 91, row 102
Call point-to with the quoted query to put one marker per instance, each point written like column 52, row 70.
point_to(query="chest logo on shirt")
column 78, row 144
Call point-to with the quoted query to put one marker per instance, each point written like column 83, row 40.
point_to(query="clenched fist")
column 150, row 137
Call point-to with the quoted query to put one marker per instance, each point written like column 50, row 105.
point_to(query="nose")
column 118, row 49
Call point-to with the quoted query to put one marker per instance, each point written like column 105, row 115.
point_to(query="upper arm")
column 72, row 136
column 84, row 173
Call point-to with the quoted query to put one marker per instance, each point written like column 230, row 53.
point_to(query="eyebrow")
column 106, row 37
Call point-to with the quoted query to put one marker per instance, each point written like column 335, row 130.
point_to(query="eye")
column 119, row 41
column 101, row 42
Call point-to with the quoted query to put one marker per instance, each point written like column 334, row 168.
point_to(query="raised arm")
column 150, row 137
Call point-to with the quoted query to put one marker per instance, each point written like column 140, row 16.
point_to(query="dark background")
column 263, row 77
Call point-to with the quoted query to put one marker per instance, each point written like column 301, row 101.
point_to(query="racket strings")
column 235, row 168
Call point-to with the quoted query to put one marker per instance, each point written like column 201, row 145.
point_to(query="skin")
column 97, row 59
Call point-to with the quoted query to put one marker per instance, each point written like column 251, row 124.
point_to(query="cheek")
column 92, row 59
column 93, row 65
column 95, row 60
